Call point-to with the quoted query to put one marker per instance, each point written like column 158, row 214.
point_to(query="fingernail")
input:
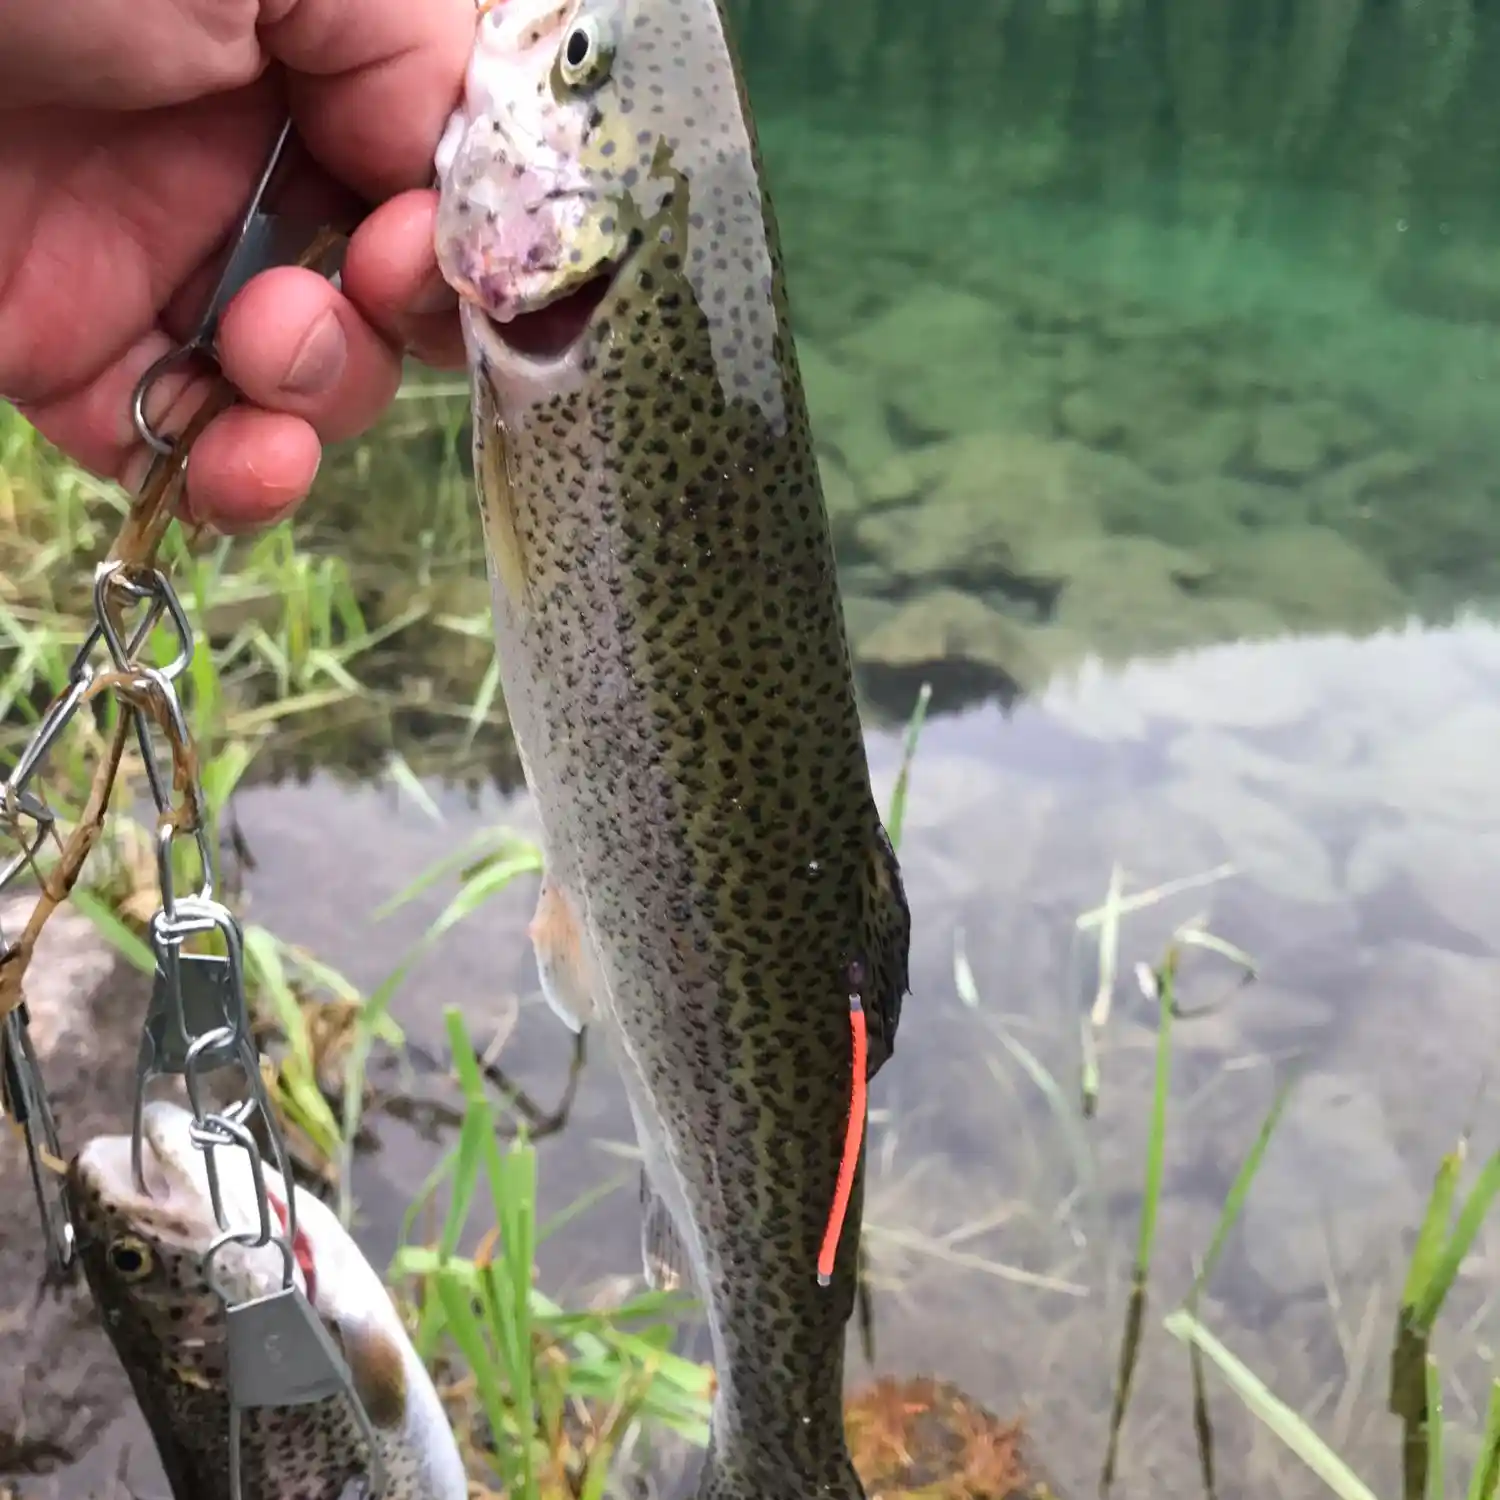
column 436, row 296
column 319, row 360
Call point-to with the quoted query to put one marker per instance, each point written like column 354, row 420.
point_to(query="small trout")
column 720, row 900
column 141, row 1254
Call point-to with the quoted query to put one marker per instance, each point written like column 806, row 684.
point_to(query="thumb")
column 371, row 82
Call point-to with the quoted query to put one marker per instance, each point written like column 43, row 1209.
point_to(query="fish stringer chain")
column 197, row 1020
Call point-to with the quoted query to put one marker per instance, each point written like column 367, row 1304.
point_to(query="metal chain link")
column 197, row 1020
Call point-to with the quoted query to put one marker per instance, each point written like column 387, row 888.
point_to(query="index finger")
column 372, row 82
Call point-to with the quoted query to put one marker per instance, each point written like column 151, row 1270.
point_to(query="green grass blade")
column 581, row 1204
column 430, row 1184
column 1485, row 1479
column 263, row 962
column 489, row 880
column 1434, row 1231
column 597, row 1476
column 131, row 946
column 1434, row 1489
column 897, row 815
column 399, row 770
column 464, row 1328
column 1275, row 1415
column 484, row 702
column 475, row 1134
column 372, row 1021
column 1470, row 1219
column 1239, row 1191
column 1156, row 1146
column 325, row 976
column 489, row 846
column 225, row 772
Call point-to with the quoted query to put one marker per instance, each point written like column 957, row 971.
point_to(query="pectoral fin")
column 561, row 956
column 663, row 1255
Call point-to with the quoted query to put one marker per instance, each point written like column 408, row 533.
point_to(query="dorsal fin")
column 886, row 962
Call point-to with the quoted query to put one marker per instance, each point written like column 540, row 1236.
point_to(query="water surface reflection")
column 1347, row 783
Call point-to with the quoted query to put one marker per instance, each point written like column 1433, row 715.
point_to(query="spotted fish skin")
column 142, row 1256
column 674, row 662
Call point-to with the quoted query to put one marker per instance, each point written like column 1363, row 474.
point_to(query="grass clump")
column 553, row 1398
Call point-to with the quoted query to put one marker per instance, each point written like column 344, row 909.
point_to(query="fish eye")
column 130, row 1257
column 585, row 58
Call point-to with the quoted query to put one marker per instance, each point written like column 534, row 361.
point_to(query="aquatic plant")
column 554, row 1398
column 1443, row 1242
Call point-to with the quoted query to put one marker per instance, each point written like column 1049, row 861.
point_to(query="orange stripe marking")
column 854, row 1135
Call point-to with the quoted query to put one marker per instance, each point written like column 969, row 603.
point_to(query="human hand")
column 131, row 135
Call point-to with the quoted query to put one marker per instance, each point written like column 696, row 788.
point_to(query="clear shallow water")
column 1153, row 351
column 1367, row 849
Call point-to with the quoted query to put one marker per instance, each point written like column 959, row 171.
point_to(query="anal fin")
column 663, row 1255
column 561, row 956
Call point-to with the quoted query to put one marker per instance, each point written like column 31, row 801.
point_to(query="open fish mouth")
column 548, row 330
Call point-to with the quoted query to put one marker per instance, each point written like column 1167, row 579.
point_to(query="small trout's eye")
column 585, row 58
column 130, row 1257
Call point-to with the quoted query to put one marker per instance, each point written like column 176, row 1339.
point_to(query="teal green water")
column 1224, row 275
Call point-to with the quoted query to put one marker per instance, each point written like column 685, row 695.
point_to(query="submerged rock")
column 898, row 481
column 864, row 615
column 1207, row 444
column 1134, row 596
column 1332, row 1193
column 1264, row 841
column 1287, row 447
column 959, row 642
column 1156, row 420
column 986, row 502
column 1440, row 771
column 1103, row 570
column 1088, row 417
column 947, row 362
column 1453, row 871
column 1444, row 1060
column 1454, row 280
column 844, row 406
column 839, row 493
column 938, row 319
column 1313, row 578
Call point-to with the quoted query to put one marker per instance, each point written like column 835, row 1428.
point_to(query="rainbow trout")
column 141, row 1254
column 721, row 900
